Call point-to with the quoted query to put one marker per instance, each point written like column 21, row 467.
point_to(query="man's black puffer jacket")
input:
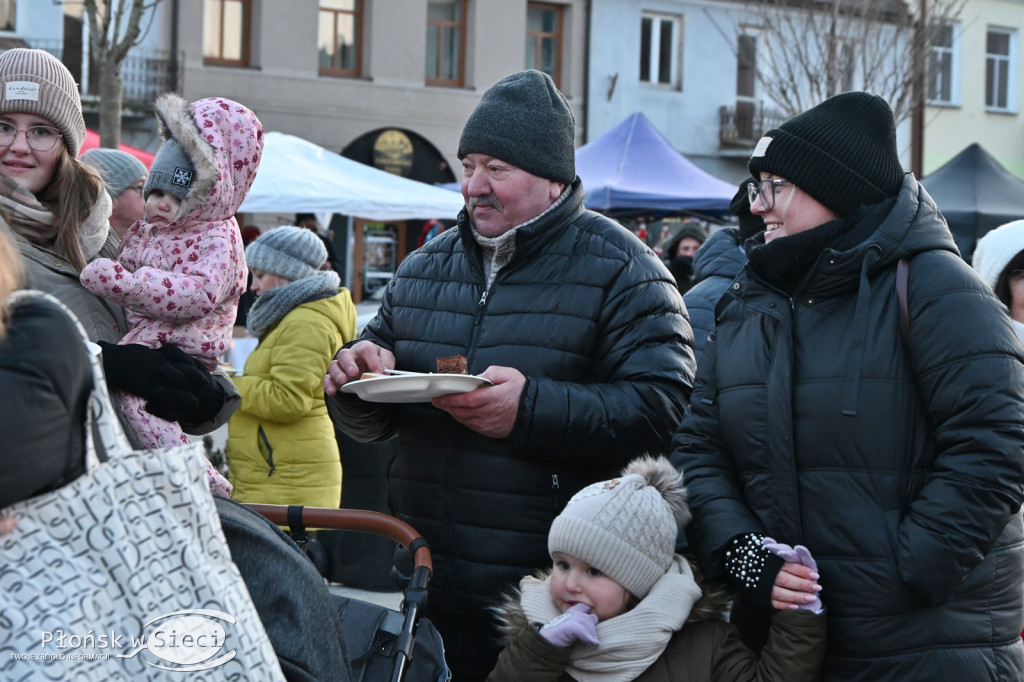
column 900, row 468
column 593, row 320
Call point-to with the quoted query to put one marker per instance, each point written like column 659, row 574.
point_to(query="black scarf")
column 785, row 262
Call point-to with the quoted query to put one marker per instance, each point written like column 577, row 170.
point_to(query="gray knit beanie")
column 626, row 527
column 171, row 171
column 524, row 120
column 35, row 82
column 287, row 251
column 117, row 168
column 841, row 152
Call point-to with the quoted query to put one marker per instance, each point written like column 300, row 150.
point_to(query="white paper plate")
column 412, row 388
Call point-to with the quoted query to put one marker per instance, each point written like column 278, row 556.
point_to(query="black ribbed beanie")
column 841, row 152
column 524, row 120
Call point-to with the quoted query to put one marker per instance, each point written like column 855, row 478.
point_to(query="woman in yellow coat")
column 281, row 445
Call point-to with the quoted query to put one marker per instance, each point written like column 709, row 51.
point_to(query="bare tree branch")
column 115, row 27
column 813, row 49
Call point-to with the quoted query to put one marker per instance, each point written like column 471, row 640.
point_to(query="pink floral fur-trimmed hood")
column 224, row 140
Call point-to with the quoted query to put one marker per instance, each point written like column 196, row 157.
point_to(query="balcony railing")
column 743, row 124
column 145, row 74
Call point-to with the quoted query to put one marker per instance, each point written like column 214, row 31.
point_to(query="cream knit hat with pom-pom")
column 626, row 527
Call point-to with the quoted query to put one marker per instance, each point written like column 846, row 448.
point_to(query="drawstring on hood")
column 860, row 316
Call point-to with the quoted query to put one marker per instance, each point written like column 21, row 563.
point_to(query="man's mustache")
column 489, row 200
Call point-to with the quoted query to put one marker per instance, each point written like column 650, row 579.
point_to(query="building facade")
column 342, row 72
column 976, row 85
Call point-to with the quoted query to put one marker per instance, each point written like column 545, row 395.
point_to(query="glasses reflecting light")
column 766, row 190
column 40, row 138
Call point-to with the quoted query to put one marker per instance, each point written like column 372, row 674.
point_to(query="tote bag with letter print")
column 124, row 573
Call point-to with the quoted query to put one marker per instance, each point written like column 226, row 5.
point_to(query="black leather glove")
column 175, row 386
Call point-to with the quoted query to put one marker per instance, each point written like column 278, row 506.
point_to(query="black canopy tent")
column 975, row 194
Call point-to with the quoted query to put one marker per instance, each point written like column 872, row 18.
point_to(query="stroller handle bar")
column 358, row 520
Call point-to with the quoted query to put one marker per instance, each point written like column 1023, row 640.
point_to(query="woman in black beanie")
column 896, row 459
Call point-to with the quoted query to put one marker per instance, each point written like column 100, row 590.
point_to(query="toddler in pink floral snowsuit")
column 180, row 271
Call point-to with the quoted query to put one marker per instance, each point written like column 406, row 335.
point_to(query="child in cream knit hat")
column 620, row 605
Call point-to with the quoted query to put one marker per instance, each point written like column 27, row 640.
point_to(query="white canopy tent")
column 297, row 176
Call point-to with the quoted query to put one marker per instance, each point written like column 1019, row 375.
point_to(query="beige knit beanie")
column 35, row 82
column 626, row 527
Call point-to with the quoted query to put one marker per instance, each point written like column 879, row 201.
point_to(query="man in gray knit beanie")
column 576, row 324
column 525, row 125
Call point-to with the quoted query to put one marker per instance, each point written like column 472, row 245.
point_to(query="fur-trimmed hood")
column 224, row 140
column 712, row 605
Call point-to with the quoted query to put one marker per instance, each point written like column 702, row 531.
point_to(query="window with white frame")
column 660, row 50
column 1000, row 68
column 943, row 65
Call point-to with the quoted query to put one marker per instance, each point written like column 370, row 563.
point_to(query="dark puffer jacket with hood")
column 592, row 319
column 901, row 467
column 717, row 262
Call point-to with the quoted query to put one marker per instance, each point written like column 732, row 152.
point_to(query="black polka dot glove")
column 752, row 568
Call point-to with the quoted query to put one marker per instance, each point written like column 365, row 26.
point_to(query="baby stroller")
column 376, row 642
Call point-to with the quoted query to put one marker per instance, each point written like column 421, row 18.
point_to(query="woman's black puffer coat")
column 900, row 467
column 593, row 320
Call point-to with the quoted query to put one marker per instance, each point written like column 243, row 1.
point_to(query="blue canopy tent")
column 633, row 168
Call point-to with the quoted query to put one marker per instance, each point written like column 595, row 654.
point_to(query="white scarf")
column 630, row 642
column 93, row 232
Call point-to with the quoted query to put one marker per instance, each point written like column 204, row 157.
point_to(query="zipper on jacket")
column 554, row 491
column 481, row 308
column 267, row 451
